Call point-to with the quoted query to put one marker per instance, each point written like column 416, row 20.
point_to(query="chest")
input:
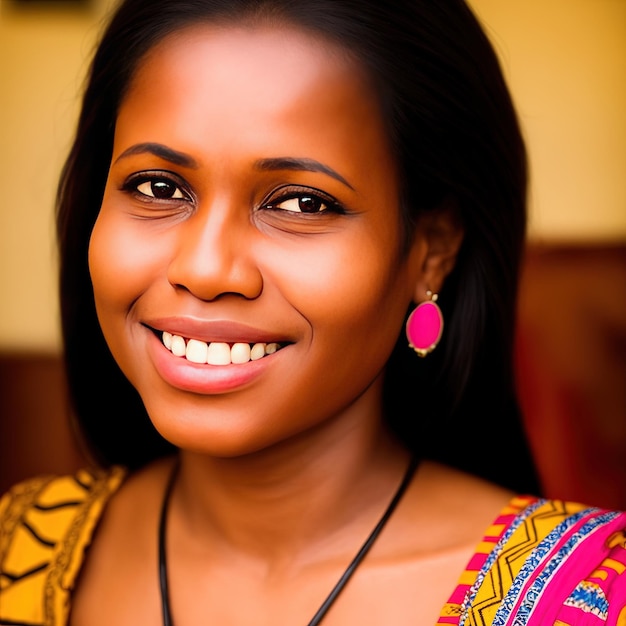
column 410, row 592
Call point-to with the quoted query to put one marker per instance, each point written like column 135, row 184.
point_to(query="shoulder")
column 79, row 485
column 552, row 560
column 451, row 493
column 50, row 500
column 46, row 522
column 536, row 559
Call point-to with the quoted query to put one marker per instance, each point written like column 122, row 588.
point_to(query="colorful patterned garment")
column 542, row 562
column 545, row 563
column 45, row 525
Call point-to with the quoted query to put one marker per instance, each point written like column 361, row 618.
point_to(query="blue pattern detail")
column 530, row 566
column 589, row 598
column 493, row 556
column 534, row 592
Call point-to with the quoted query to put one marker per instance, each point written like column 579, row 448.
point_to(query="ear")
column 438, row 237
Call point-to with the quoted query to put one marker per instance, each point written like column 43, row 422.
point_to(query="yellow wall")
column 566, row 65
column 43, row 54
column 565, row 61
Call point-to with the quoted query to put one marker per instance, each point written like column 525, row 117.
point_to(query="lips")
column 217, row 352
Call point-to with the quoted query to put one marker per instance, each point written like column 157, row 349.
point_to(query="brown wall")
column 35, row 436
column 572, row 369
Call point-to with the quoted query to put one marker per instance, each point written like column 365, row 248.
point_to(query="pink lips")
column 218, row 330
column 206, row 379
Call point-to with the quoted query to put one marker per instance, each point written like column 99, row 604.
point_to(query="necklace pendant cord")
column 341, row 583
column 163, row 583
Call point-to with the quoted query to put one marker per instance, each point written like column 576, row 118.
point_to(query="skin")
column 285, row 463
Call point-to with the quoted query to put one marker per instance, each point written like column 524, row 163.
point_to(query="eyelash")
column 132, row 184
column 294, row 192
column 277, row 197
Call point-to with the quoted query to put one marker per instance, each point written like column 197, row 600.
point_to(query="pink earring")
column 425, row 325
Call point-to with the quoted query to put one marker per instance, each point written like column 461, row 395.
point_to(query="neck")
column 292, row 502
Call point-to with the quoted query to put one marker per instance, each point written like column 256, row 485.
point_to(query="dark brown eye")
column 304, row 200
column 302, row 204
column 310, row 204
column 161, row 189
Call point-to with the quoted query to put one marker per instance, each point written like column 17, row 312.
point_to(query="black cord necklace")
column 341, row 583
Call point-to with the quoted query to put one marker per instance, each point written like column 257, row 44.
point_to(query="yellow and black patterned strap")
column 46, row 523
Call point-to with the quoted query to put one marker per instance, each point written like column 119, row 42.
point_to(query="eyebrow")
column 161, row 151
column 278, row 163
column 304, row 165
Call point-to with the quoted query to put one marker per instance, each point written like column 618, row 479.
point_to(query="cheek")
column 354, row 307
column 349, row 289
column 120, row 263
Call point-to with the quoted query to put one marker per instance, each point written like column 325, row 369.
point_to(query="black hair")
column 456, row 137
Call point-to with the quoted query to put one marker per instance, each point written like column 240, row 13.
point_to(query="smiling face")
column 246, row 259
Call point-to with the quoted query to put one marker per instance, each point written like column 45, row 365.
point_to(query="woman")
column 258, row 195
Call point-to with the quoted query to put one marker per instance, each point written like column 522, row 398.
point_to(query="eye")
column 302, row 204
column 161, row 189
column 302, row 200
column 163, row 186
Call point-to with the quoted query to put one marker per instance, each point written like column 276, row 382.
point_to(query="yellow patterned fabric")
column 514, row 556
column 46, row 523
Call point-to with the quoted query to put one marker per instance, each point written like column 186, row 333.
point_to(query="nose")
column 214, row 256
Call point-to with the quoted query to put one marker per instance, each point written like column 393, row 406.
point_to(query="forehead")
column 246, row 59
column 227, row 92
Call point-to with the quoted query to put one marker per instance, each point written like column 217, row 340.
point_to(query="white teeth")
column 257, row 352
column 178, row 346
column 216, row 353
column 240, row 353
column 196, row 351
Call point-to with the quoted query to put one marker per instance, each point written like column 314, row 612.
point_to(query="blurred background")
column 565, row 61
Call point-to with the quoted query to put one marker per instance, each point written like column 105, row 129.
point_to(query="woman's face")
column 251, row 203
